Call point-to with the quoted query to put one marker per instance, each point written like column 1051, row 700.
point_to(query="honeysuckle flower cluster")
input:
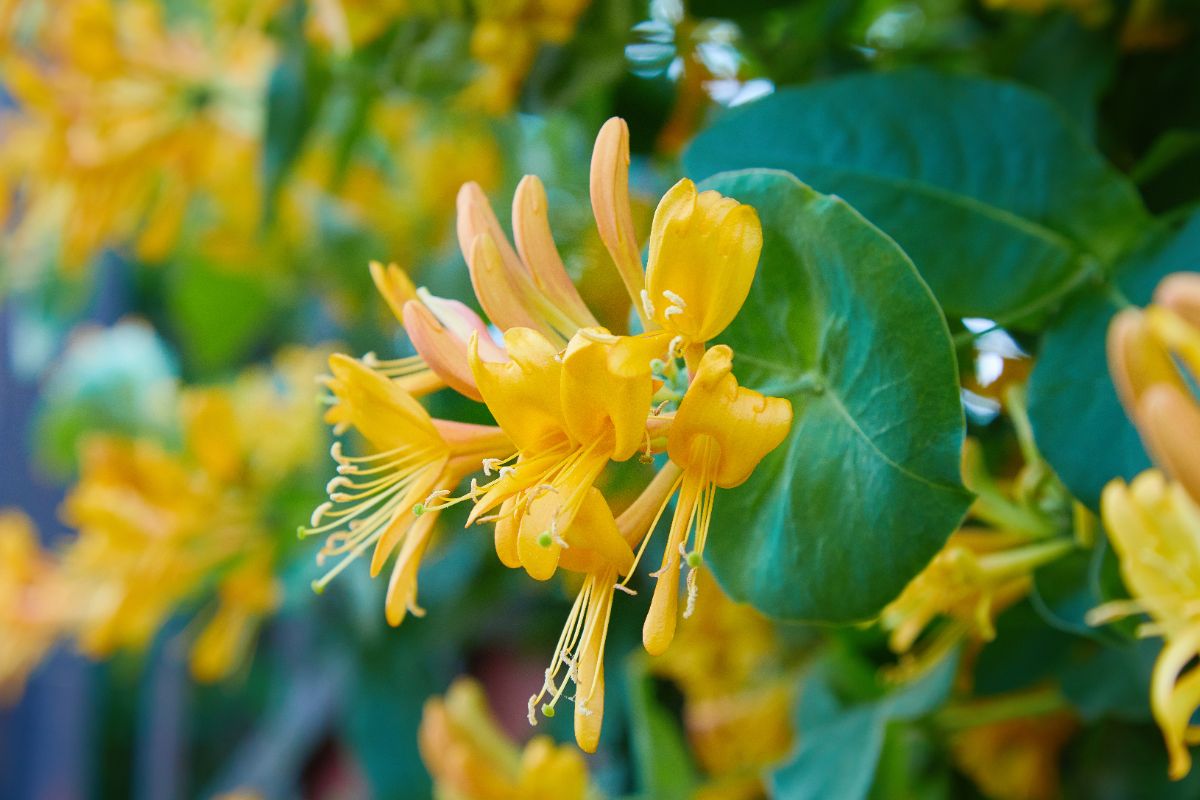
column 987, row 565
column 120, row 121
column 158, row 526
column 569, row 398
column 1154, row 522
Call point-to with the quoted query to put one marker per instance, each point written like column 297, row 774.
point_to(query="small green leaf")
column 866, row 488
column 1078, row 422
column 988, row 186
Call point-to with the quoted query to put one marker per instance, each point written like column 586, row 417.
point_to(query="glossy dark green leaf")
column 988, row 186
column 840, row 744
column 1078, row 422
column 866, row 488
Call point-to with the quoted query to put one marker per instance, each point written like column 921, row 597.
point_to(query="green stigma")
column 318, row 587
column 694, row 560
column 547, row 710
column 545, row 540
column 418, row 509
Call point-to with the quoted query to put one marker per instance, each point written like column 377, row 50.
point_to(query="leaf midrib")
column 798, row 382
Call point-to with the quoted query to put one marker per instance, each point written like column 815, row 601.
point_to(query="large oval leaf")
column 866, row 488
column 988, row 186
column 1078, row 422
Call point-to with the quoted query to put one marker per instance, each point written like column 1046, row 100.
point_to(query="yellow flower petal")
column 704, row 252
column 744, row 424
column 522, row 392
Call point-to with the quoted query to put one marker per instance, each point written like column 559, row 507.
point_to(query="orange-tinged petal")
column 1169, row 422
column 1136, row 359
column 745, row 424
column 504, row 294
column 384, row 413
column 553, row 511
column 704, row 252
column 443, row 351
column 535, row 243
column 522, row 392
column 610, row 205
column 1180, row 292
column 607, row 387
column 1178, row 335
column 394, row 285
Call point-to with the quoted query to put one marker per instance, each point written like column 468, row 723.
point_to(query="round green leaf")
column 866, row 488
column 988, row 186
column 1077, row 419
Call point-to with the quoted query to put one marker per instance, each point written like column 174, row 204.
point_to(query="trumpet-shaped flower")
column 376, row 500
column 1151, row 355
column 1155, row 529
column 469, row 756
column 704, row 252
column 566, row 428
column 719, row 434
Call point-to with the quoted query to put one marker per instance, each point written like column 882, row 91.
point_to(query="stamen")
column 433, row 497
column 675, row 348
column 625, row 589
column 532, row 715
column 692, row 591
column 674, row 299
column 647, row 304
column 672, row 311
column 490, row 464
column 319, row 512
column 508, row 472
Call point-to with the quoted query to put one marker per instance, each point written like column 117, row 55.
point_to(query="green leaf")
column 217, row 315
column 840, row 744
column 838, row 518
column 660, row 753
column 1077, row 419
column 988, row 186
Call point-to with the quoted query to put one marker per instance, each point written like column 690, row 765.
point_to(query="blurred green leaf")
column 1077, row 419
column 217, row 315
column 988, row 186
column 866, row 488
column 660, row 753
column 840, row 744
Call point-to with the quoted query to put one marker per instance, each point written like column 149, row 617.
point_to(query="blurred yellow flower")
column 121, row 120
column 33, row 603
column 1152, row 353
column 1154, row 527
column 470, row 758
column 737, row 694
column 1015, row 759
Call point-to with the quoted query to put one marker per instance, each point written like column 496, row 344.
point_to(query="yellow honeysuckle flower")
column 579, row 655
column 565, row 430
column 376, row 499
column 470, row 758
column 33, row 602
column 568, row 398
column 719, row 434
column 1154, row 527
column 150, row 529
column 1148, row 354
column 120, row 120
column 704, row 252
column 975, row 576
column 1016, row 759
column 246, row 595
